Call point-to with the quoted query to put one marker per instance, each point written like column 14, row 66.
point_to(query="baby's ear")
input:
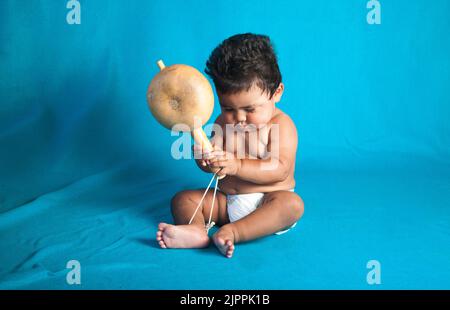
column 278, row 93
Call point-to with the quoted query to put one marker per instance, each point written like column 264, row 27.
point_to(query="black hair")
column 242, row 60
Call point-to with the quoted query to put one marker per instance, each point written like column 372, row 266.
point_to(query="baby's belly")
column 232, row 185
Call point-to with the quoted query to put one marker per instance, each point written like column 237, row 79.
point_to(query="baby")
column 256, row 197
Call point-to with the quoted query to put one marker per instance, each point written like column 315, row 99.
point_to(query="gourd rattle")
column 180, row 94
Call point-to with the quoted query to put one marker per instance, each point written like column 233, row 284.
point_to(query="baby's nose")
column 241, row 117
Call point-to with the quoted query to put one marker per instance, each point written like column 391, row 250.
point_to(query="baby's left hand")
column 227, row 161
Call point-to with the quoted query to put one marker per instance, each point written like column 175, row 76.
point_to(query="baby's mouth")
column 245, row 127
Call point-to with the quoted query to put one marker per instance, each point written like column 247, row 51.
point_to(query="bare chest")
column 247, row 144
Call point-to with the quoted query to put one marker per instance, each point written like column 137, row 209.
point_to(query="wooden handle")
column 160, row 64
column 201, row 139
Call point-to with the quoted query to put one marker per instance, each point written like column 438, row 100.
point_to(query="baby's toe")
column 221, row 241
column 162, row 244
column 230, row 250
column 230, row 245
column 162, row 226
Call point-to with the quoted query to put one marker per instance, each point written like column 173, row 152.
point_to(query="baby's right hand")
column 205, row 157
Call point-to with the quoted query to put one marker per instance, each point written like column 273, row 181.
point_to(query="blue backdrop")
column 86, row 172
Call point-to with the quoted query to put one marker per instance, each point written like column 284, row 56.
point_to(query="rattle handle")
column 160, row 64
column 201, row 139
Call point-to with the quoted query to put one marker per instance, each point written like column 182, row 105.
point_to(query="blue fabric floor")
column 107, row 222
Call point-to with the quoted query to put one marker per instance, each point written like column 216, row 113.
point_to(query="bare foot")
column 224, row 241
column 181, row 236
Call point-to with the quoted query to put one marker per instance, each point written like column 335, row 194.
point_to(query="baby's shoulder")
column 284, row 130
column 282, row 119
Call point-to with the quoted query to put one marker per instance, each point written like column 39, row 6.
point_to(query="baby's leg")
column 278, row 210
column 182, row 235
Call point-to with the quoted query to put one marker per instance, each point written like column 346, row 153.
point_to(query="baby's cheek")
column 228, row 119
column 260, row 119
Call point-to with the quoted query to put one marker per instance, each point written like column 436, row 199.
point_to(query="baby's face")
column 252, row 107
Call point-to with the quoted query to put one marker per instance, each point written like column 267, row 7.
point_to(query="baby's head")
column 245, row 71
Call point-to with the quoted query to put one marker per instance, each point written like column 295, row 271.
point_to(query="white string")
column 210, row 224
column 201, row 200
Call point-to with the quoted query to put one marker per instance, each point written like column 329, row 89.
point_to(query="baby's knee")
column 185, row 199
column 298, row 208
column 293, row 208
column 180, row 198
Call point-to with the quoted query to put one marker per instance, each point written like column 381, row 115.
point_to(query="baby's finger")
column 221, row 172
column 213, row 164
column 207, row 155
column 216, row 148
column 221, row 161
column 216, row 162
column 218, row 153
column 213, row 159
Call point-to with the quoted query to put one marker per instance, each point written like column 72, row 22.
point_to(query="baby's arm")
column 282, row 146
